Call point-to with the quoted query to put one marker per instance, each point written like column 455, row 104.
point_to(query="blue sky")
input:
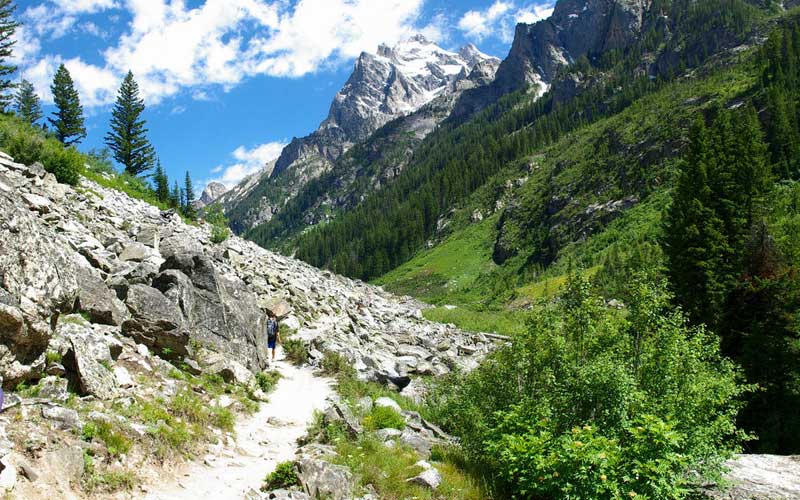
column 228, row 82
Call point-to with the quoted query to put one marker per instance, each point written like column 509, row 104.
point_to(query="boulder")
column 388, row 434
column 53, row 388
column 428, row 478
column 231, row 371
column 420, row 444
column 220, row 311
column 149, row 235
column 287, row 495
column 8, row 475
column 280, row 308
column 761, row 477
column 99, row 301
column 37, row 203
column 339, row 413
column 123, row 377
column 38, row 282
column 155, row 321
column 321, row 479
column 63, row 418
column 137, row 252
column 93, row 375
column 388, row 403
column 65, row 464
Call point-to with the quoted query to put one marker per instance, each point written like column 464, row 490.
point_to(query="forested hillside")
column 674, row 159
column 390, row 227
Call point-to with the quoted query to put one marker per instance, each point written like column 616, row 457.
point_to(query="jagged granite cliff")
column 395, row 82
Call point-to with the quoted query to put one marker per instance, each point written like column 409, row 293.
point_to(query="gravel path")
column 263, row 440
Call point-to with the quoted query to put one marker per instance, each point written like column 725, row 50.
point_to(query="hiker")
column 273, row 333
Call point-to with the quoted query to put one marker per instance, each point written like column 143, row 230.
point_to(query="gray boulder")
column 53, row 388
column 761, row 477
column 219, row 309
column 63, row 418
column 99, row 301
column 38, row 282
column 155, row 321
column 93, row 376
column 340, row 413
column 287, row 495
column 428, row 478
column 137, row 252
column 321, row 479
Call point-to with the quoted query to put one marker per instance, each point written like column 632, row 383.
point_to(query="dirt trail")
column 262, row 441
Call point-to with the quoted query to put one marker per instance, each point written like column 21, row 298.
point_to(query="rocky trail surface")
column 262, row 441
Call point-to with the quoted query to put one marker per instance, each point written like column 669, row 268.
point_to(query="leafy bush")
column 26, row 148
column 64, row 163
column 336, row 365
column 268, row 380
column 383, row 417
column 295, row 350
column 595, row 403
column 284, row 476
column 116, row 442
column 216, row 217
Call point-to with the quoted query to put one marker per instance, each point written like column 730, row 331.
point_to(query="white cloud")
column 85, row 6
column 500, row 18
column 171, row 47
column 27, row 46
column 248, row 162
column 535, row 13
column 96, row 86
column 477, row 24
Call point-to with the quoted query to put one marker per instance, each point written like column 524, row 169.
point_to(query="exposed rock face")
column 211, row 193
column 394, row 82
column 761, row 477
column 576, row 28
column 182, row 297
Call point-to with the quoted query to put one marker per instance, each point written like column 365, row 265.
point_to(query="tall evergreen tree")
column 161, row 182
column 26, row 103
column 188, row 196
column 67, row 120
column 175, row 197
column 128, row 135
column 694, row 241
column 7, row 28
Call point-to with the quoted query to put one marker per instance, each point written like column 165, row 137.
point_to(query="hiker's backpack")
column 272, row 329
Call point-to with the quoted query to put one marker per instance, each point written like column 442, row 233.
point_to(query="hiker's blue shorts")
column 271, row 343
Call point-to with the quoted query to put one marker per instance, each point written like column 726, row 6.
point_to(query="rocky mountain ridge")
column 395, row 82
column 211, row 193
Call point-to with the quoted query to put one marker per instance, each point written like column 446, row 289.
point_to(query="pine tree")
column 175, row 197
column 27, row 103
column 68, row 120
column 188, row 196
column 161, row 182
column 7, row 28
column 693, row 238
column 128, row 135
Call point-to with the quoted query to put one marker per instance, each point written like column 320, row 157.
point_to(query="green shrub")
column 219, row 234
column 53, row 357
column 335, row 364
column 295, row 350
column 268, row 380
column 65, row 163
column 284, row 476
column 116, row 442
column 383, row 417
column 26, row 148
column 594, row 403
